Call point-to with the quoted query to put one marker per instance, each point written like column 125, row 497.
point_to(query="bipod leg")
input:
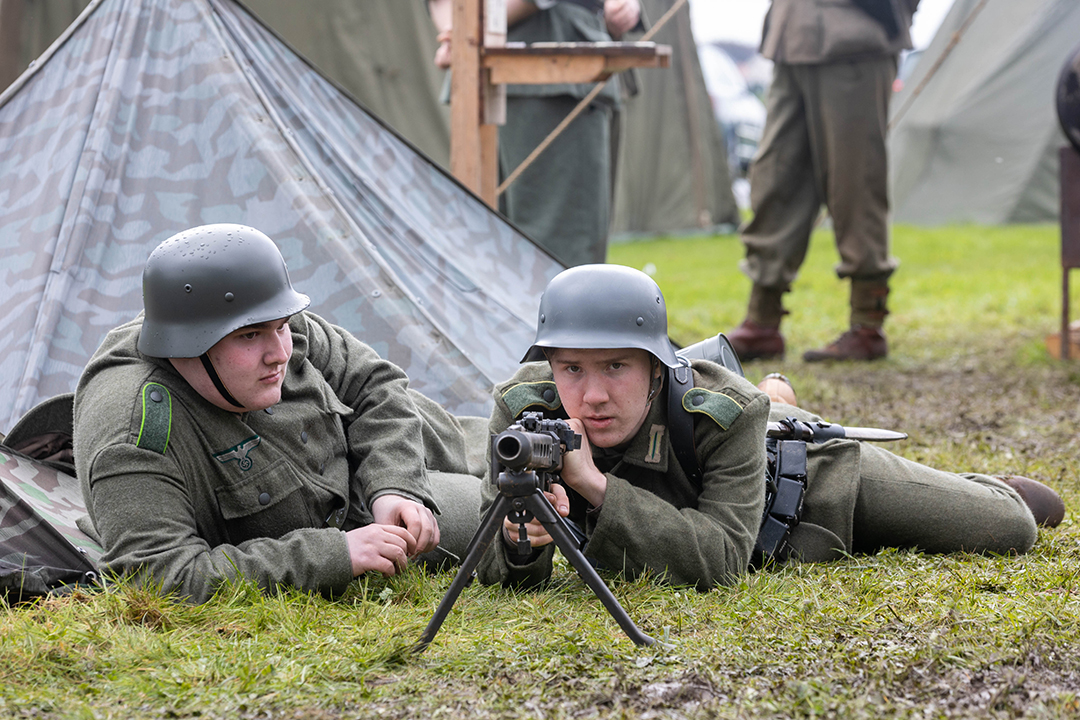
column 479, row 544
column 542, row 510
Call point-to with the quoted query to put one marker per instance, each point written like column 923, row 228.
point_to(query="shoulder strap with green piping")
column 156, row 422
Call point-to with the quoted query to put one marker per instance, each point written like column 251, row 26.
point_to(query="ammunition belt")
column 785, row 486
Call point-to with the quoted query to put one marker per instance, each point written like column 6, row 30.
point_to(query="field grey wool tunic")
column 186, row 494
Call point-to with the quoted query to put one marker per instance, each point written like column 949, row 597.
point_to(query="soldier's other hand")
column 538, row 534
column 580, row 473
column 442, row 55
column 378, row 548
column 621, row 16
column 415, row 518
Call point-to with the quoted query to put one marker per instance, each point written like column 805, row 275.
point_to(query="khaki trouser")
column 902, row 503
column 824, row 143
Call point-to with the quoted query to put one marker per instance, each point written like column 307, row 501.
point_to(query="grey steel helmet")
column 602, row 306
column 201, row 284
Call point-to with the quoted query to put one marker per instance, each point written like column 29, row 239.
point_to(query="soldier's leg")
column 785, row 200
column 563, row 199
column 458, row 498
column 848, row 121
column 901, row 503
column 455, row 449
column 848, row 128
column 784, row 195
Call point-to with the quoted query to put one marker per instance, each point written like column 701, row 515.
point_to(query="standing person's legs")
column 785, row 200
column 902, row 503
column 563, row 199
column 848, row 133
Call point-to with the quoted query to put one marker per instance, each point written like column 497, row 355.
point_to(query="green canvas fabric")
column 978, row 142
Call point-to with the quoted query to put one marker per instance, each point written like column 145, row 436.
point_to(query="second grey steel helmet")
column 603, row 306
column 201, row 284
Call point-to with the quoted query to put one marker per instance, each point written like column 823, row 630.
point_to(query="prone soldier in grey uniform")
column 602, row 339
column 228, row 432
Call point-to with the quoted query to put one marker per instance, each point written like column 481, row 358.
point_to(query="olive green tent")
column 975, row 134
column 672, row 171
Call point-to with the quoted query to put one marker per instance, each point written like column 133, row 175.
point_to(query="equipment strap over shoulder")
column 681, row 423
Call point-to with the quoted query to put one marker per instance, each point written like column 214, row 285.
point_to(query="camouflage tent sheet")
column 40, row 545
column 151, row 116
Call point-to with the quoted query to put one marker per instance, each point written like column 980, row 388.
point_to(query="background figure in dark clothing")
column 563, row 200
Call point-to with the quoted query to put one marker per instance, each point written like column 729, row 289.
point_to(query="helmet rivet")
column 187, row 288
column 542, row 319
column 640, row 321
column 228, row 297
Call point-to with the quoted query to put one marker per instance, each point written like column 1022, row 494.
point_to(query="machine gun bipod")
column 525, row 458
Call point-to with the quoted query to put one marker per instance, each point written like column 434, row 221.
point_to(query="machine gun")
column 525, row 459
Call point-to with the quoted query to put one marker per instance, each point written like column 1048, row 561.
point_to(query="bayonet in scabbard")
column 793, row 429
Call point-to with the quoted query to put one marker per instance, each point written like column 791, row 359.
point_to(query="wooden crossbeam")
column 548, row 63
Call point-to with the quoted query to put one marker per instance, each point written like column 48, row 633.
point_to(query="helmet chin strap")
column 216, row 379
column 658, row 381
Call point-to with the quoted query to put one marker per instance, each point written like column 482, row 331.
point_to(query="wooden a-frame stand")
column 483, row 63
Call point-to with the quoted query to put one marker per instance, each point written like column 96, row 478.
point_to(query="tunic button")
column 549, row 395
column 264, row 498
column 155, row 396
column 698, row 399
column 303, row 436
column 269, row 411
column 322, row 468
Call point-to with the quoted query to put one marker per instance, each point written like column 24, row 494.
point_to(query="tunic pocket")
column 270, row 504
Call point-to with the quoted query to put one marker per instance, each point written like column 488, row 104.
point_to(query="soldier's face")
column 251, row 363
column 607, row 390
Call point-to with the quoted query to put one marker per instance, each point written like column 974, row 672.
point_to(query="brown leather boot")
column 756, row 342
column 1046, row 505
column 759, row 338
column 858, row 343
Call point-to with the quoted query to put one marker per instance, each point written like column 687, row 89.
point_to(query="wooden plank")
column 489, row 164
column 547, row 63
column 465, row 93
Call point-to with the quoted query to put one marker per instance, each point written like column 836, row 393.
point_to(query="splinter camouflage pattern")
column 40, row 546
column 151, row 116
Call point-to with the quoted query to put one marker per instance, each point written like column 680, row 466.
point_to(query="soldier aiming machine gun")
column 525, row 459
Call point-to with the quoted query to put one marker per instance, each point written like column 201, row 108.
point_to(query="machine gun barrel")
column 520, row 450
column 792, row 429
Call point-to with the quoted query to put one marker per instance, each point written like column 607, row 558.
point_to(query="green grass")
column 896, row 635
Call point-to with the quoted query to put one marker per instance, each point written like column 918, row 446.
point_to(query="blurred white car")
column 739, row 111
